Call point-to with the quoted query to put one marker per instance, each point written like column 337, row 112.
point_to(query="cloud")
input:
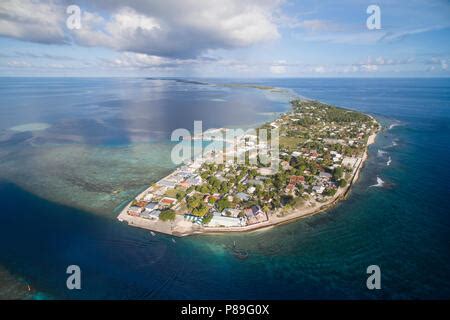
column 19, row 64
column 360, row 36
column 30, row 55
column 400, row 35
column 312, row 25
column 318, row 25
column 167, row 28
column 278, row 69
column 438, row 63
column 319, row 69
column 137, row 60
column 375, row 64
column 369, row 67
column 356, row 37
column 32, row 21
column 141, row 61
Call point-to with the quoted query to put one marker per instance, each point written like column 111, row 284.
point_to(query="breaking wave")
column 393, row 125
column 381, row 153
column 379, row 184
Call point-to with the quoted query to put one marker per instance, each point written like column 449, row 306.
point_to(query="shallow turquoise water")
column 403, row 227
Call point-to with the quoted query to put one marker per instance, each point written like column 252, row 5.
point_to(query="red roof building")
column 296, row 179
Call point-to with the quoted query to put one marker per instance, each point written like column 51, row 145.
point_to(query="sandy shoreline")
column 180, row 227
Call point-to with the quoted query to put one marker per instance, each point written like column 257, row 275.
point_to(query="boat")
column 152, row 233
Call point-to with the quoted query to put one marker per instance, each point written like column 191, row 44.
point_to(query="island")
column 322, row 149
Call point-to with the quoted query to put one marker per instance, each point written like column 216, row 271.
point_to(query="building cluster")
column 321, row 148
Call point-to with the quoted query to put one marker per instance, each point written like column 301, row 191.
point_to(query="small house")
column 134, row 211
column 151, row 206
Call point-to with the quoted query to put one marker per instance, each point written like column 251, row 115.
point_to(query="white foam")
column 388, row 163
column 380, row 183
column 392, row 145
column 381, row 153
column 393, row 125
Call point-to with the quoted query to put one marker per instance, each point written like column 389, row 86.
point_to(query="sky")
column 227, row 38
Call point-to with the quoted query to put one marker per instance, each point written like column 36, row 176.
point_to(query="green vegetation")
column 167, row 215
column 222, row 204
column 207, row 218
column 172, row 193
column 196, row 205
column 338, row 172
column 329, row 192
column 180, row 195
column 290, row 143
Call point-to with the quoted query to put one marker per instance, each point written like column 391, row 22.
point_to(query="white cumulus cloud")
column 169, row 28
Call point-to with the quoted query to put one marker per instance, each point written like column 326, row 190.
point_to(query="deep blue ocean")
column 73, row 151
